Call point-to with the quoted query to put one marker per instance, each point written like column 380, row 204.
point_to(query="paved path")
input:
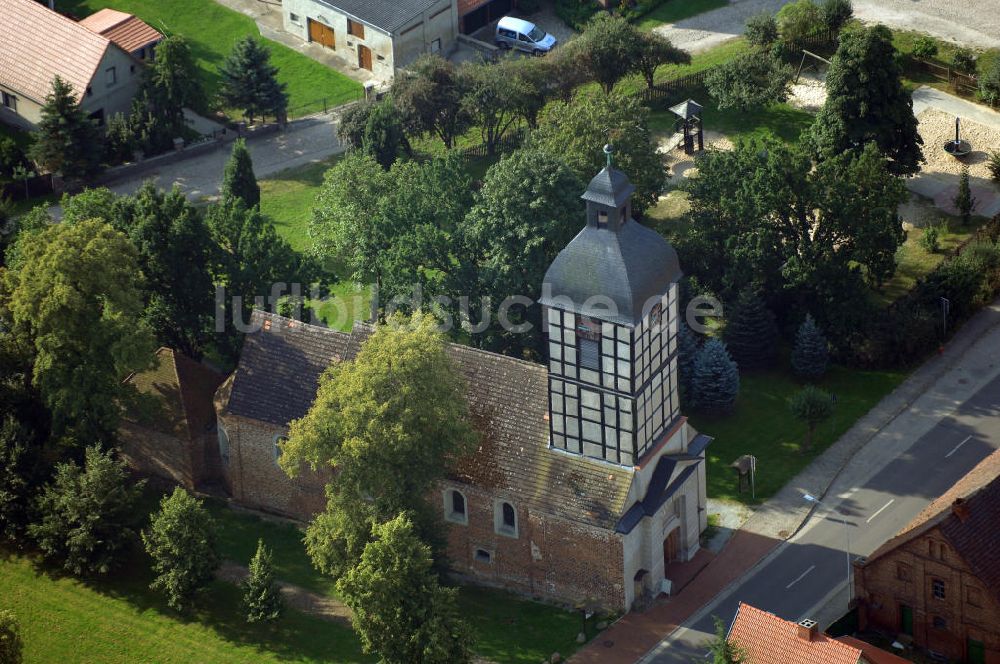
column 305, row 141
column 971, row 22
column 896, row 452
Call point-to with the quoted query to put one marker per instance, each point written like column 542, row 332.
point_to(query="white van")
column 524, row 35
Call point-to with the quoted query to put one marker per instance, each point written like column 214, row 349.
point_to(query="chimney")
column 806, row 629
column 960, row 508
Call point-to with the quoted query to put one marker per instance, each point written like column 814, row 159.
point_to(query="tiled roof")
column 130, row 32
column 388, row 15
column 38, row 44
column 280, row 366
column 767, row 639
column 871, row 654
column 183, row 392
column 278, row 374
column 976, row 539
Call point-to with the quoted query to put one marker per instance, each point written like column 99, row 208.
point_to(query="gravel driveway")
column 971, row 22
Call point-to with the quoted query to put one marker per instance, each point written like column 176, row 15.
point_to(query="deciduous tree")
column 761, row 29
column 430, row 98
column 866, row 102
column 401, row 612
column 836, row 14
column 181, row 541
column 66, row 141
column 491, row 99
column 799, row 20
column 250, row 81
column 76, row 300
column 87, row 516
column 576, row 131
column 390, row 421
column 812, row 406
column 608, row 49
column 750, row 81
column 721, row 650
column 656, row 50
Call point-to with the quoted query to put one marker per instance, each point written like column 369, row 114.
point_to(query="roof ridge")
column 65, row 18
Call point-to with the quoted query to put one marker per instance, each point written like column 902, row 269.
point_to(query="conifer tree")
column 687, row 355
column 181, row 542
column 721, row 650
column 67, row 141
column 716, row 381
column 751, row 333
column 811, row 354
column 964, row 201
column 238, row 180
column 250, row 83
column 262, row 600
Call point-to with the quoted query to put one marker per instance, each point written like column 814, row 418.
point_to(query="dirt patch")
column 937, row 127
column 809, row 92
column 298, row 598
column 680, row 165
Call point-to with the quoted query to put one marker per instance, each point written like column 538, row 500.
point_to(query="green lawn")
column 212, row 30
column 777, row 121
column 672, row 11
column 120, row 620
column 762, row 425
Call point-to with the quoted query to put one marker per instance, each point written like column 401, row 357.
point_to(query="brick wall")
column 256, row 480
column 150, row 452
column 550, row 558
column 907, row 575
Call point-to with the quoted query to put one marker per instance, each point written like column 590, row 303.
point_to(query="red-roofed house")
column 129, row 32
column 38, row 44
column 764, row 638
column 937, row 581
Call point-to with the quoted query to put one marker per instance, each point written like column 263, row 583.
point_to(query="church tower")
column 611, row 311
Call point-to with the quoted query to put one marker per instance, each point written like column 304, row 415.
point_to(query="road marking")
column 800, row 577
column 967, row 438
column 880, row 510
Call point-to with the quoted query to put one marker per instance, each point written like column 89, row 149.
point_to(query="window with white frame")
column 455, row 507
column 505, row 517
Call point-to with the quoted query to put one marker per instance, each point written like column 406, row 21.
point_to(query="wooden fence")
column 964, row 84
column 40, row 185
column 510, row 142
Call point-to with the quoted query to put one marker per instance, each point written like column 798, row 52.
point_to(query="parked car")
column 523, row 35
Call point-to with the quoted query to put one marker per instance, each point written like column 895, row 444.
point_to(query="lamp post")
column 847, row 532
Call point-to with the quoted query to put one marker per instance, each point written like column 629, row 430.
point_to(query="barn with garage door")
column 378, row 36
column 474, row 14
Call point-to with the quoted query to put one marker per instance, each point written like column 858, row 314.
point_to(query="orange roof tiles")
column 129, row 32
column 767, row 639
column 37, row 44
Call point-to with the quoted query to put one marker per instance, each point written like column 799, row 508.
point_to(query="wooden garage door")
column 321, row 34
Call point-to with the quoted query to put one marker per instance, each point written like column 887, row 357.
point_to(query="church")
column 587, row 484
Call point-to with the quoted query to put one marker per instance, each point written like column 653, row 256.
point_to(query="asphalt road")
column 808, row 574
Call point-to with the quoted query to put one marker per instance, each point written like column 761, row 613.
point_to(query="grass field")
column 119, row 620
column 762, row 425
column 672, row 11
column 212, row 30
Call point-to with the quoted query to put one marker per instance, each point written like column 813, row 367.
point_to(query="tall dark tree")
column 527, row 210
column 262, row 601
column 67, row 141
column 173, row 84
column 751, row 333
column 811, row 354
column 866, row 102
column 430, row 98
column 687, row 355
column 716, row 381
column 250, row 81
column 87, row 516
column 238, row 179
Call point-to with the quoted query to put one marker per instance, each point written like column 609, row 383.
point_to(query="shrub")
column 11, row 645
column 989, row 83
column 964, row 61
column 749, row 81
column 799, row 20
column 181, row 542
column 812, row 406
column 931, row 240
column 761, row 30
column 925, row 48
column 87, row 515
column 964, row 200
column 529, row 6
column 836, row 14
column 576, row 13
column 993, row 163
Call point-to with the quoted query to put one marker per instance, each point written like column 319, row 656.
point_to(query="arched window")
column 505, row 518
column 455, row 507
column 278, row 440
column 223, row 445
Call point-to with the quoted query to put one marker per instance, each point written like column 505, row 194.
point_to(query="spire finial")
column 609, row 151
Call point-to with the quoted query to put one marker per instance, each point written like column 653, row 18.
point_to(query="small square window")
column 937, row 588
column 355, row 29
column 294, row 18
column 602, row 219
column 110, row 76
column 483, row 556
